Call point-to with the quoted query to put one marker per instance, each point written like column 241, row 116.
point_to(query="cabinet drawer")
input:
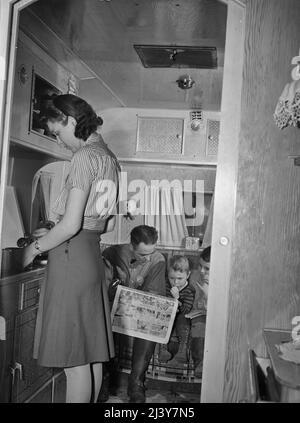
column 16, row 289
column 29, row 377
column 29, row 293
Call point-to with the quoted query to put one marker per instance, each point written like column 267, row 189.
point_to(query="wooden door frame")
column 9, row 20
column 223, row 232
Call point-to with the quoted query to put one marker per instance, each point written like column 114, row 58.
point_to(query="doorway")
column 213, row 371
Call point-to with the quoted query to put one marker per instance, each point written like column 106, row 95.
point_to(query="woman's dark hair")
column 65, row 105
column 143, row 233
column 205, row 255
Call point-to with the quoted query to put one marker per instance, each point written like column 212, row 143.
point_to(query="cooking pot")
column 12, row 261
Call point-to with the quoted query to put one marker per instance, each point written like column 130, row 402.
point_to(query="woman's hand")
column 30, row 252
column 29, row 255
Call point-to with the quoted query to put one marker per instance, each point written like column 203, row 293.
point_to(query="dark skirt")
column 73, row 323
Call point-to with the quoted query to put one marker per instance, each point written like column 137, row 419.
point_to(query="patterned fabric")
column 287, row 112
column 92, row 167
column 186, row 298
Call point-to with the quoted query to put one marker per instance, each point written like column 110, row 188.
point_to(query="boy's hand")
column 175, row 292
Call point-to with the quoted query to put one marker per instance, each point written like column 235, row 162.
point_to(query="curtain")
column 208, row 230
column 164, row 210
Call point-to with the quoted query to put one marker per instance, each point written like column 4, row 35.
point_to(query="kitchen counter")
column 29, row 272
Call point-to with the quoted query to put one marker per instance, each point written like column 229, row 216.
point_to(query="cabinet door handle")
column 21, row 303
column 19, row 367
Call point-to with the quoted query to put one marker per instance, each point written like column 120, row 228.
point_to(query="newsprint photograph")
column 149, row 205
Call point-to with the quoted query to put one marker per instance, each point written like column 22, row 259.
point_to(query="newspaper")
column 143, row 315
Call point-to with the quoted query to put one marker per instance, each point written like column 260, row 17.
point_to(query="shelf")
column 178, row 162
column 40, row 133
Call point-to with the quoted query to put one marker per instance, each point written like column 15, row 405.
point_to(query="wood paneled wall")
column 264, row 288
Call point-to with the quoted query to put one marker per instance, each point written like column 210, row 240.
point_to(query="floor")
column 165, row 384
column 159, row 391
column 158, row 396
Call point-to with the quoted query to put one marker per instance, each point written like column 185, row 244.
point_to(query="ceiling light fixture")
column 185, row 82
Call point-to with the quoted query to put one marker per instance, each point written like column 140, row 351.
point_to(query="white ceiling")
column 102, row 34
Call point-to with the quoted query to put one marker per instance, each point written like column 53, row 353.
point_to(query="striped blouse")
column 93, row 168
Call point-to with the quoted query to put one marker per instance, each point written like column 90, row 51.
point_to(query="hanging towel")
column 287, row 112
column 51, row 179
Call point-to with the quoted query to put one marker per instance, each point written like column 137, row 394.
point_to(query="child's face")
column 178, row 278
column 204, row 270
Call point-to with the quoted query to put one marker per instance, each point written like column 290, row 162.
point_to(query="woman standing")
column 73, row 325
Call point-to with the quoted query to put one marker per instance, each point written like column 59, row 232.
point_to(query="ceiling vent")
column 153, row 56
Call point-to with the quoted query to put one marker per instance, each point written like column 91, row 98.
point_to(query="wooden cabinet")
column 43, row 396
column 6, row 358
column 27, row 375
column 54, row 390
column 9, row 299
column 32, row 62
column 21, row 378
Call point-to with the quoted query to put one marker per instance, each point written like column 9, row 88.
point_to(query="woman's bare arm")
column 65, row 229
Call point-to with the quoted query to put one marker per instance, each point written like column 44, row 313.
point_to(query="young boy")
column 199, row 280
column 179, row 288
